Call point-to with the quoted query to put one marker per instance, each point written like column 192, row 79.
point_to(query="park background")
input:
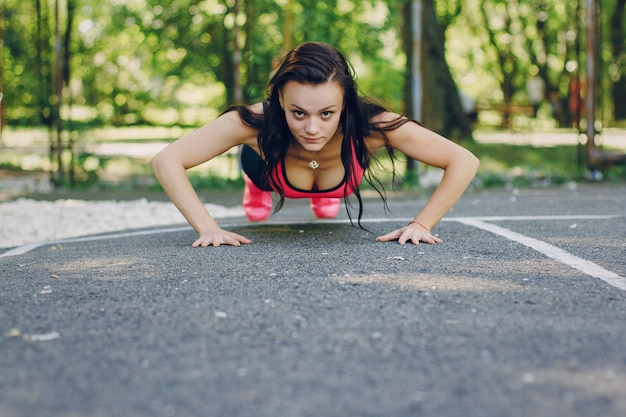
column 91, row 89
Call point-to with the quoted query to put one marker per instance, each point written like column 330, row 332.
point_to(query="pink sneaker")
column 325, row 208
column 257, row 203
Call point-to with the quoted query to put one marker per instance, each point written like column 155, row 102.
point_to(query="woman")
column 313, row 138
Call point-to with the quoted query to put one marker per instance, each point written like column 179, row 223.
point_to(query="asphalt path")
column 520, row 312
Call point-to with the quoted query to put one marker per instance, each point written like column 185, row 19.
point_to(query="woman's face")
column 312, row 112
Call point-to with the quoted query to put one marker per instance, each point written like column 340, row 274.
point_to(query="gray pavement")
column 520, row 312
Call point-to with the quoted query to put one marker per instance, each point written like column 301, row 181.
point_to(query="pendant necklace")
column 313, row 164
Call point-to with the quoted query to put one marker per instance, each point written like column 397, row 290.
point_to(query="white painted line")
column 451, row 219
column 20, row 250
column 551, row 251
column 533, row 218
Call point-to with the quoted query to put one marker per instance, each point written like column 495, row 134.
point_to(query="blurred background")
column 90, row 89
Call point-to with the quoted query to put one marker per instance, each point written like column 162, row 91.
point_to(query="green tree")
column 26, row 62
column 172, row 62
column 443, row 110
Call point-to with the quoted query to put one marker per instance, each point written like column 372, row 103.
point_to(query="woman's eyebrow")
column 331, row 107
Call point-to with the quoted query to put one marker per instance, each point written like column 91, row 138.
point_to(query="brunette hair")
column 317, row 63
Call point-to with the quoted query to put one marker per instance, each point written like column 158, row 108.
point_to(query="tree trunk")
column 67, row 54
column 249, row 9
column 507, row 62
column 288, row 24
column 430, row 93
column 56, row 138
column 236, row 56
column 442, row 110
column 227, row 61
column 412, row 38
column 42, row 62
column 2, row 105
column 619, row 57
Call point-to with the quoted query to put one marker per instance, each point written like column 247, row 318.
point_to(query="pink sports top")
column 343, row 189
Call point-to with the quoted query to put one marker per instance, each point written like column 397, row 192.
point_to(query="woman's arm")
column 193, row 149
column 459, row 165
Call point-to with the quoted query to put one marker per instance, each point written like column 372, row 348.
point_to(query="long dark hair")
column 317, row 63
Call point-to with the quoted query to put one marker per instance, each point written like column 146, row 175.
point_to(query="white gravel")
column 24, row 221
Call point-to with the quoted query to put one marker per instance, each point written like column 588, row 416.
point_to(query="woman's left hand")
column 410, row 233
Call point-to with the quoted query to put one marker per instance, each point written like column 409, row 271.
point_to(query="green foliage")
column 155, row 63
column 214, row 181
column 172, row 63
column 493, row 44
column 527, row 165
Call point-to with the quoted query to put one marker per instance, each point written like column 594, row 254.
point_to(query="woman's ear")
column 280, row 99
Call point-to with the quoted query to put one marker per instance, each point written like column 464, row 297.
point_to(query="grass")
column 527, row 165
column 502, row 164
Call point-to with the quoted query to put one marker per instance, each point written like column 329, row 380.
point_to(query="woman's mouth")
column 311, row 139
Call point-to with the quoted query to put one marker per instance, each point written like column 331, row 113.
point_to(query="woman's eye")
column 327, row 114
column 298, row 114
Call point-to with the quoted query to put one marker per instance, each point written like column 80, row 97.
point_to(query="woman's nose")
column 311, row 126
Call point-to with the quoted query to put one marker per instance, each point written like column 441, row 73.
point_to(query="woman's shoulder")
column 258, row 108
column 252, row 116
column 385, row 117
column 386, row 122
column 255, row 108
column 383, row 126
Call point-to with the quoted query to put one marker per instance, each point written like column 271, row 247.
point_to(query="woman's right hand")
column 197, row 147
column 217, row 237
